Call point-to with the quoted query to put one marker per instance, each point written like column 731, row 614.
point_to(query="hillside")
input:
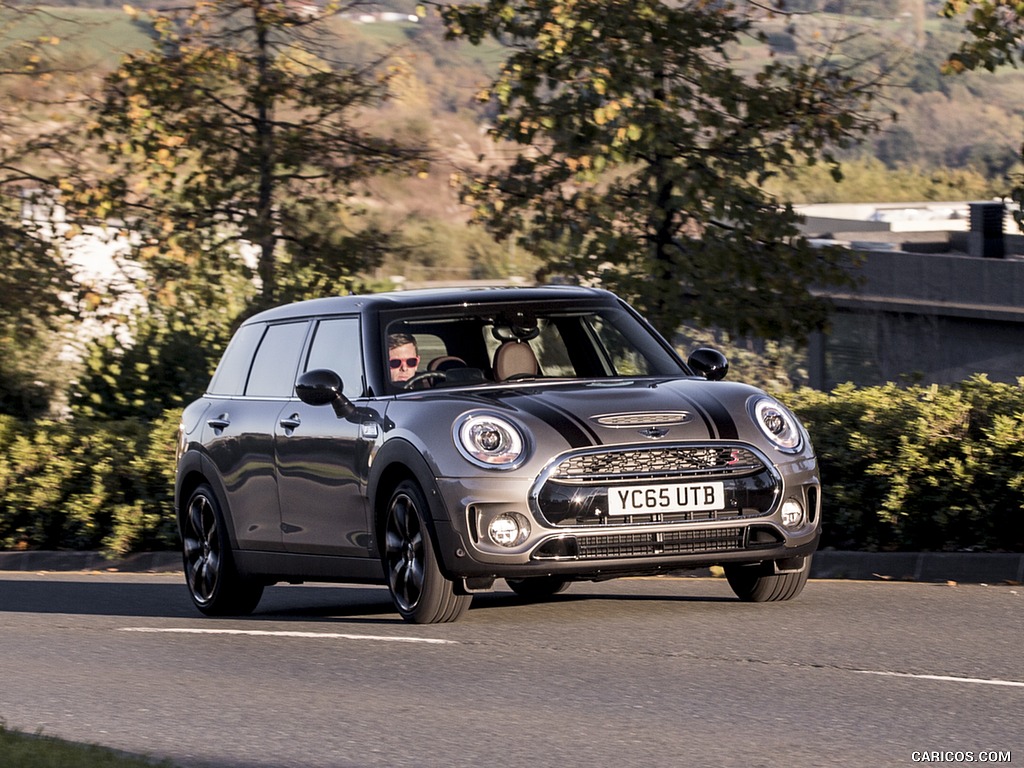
column 952, row 137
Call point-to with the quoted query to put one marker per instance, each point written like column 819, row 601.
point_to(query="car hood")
column 606, row 412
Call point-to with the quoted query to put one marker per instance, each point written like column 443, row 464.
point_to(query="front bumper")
column 644, row 557
column 594, row 546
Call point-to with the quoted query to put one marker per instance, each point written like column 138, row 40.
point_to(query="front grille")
column 655, row 463
column 647, row 544
column 573, row 492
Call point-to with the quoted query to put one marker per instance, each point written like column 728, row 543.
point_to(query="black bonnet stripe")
column 576, row 432
column 718, row 413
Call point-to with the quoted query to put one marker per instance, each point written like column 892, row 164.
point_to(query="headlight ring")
column 490, row 441
column 776, row 423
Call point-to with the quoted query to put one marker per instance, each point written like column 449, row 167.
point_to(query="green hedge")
column 87, row 484
column 903, row 468
column 926, row 468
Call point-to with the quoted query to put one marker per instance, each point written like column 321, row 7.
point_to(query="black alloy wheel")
column 420, row 591
column 215, row 586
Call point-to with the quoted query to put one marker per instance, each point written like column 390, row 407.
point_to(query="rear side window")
column 277, row 360
column 336, row 347
column 233, row 369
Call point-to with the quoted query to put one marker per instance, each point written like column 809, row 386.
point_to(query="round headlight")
column 777, row 424
column 490, row 441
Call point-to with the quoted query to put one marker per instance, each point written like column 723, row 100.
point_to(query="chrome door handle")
column 220, row 423
column 292, row 422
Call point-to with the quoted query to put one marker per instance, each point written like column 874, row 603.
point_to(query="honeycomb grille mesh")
column 650, row 463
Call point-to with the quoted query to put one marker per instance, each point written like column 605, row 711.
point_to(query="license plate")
column 655, row 499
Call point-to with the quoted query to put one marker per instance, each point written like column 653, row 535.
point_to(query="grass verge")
column 38, row 751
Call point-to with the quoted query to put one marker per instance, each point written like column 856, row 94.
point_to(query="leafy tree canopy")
column 996, row 29
column 243, row 124
column 644, row 151
column 38, row 295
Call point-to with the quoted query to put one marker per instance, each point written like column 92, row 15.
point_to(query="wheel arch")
column 400, row 460
column 194, row 470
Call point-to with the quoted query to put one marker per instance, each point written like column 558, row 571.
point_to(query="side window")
column 273, row 370
column 233, row 369
column 336, row 346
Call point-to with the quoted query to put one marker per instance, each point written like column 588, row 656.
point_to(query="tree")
column 38, row 295
column 996, row 28
column 242, row 125
column 237, row 153
column 644, row 148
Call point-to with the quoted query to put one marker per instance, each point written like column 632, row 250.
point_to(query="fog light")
column 792, row 513
column 508, row 530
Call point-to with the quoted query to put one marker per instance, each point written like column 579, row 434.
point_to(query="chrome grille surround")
column 572, row 491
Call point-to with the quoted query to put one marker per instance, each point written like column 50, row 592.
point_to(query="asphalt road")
column 651, row 672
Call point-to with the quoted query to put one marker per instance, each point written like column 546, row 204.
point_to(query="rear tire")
column 420, row 591
column 752, row 585
column 537, row 587
column 214, row 584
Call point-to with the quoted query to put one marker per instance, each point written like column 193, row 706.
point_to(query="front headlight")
column 490, row 441
column 777, row 423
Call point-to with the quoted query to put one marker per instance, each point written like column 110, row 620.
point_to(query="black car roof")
column 432, row 297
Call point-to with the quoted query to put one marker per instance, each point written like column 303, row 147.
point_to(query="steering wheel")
column 421, row 378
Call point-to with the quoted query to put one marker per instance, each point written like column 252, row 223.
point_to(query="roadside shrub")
column 920, row 468
column 87, row 485
column 903, row 468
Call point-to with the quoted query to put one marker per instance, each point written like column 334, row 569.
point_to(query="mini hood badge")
column 654, row 432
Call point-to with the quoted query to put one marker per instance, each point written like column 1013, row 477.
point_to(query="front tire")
column 420, row 591
column 215, row 586
column 752, row 585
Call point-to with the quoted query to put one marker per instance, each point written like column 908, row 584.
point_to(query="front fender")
column 398, row 460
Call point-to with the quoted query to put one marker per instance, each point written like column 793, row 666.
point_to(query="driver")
column 403, row 356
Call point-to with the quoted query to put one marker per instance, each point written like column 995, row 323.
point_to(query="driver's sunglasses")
column 410, row 362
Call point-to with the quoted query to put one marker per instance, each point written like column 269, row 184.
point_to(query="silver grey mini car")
column 437, row 441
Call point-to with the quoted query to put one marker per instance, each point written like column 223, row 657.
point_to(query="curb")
column 966, row 567
column 142, row 562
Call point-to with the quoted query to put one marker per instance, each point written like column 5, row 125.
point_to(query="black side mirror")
column 324, row 387
column 709, row 363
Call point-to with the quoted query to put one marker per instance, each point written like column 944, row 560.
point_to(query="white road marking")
column 944, row 678
column 438, row 641
column 306, row 635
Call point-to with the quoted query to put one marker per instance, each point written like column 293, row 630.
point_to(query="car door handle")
column 292, row 422
column 220, row 423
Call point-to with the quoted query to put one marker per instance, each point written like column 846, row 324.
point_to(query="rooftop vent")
column 985, row 238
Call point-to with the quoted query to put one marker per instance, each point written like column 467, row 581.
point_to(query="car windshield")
column 486, row 346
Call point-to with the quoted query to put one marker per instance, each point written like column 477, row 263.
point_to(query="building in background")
column 941, row 295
